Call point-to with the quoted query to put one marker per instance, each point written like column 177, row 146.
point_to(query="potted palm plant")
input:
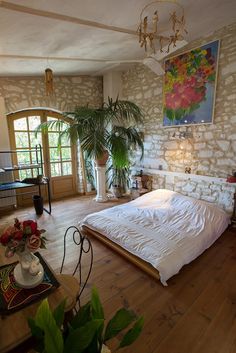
column 102, row 132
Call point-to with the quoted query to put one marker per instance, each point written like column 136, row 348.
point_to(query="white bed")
column 163, row 228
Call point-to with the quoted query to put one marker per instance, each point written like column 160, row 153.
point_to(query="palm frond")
column 95, row 144
column 119, row 149
column 119, row 176
column 131, row 135
column 124, row 111
column 56, row 125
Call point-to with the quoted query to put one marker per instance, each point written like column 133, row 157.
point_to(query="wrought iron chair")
column 85, row 247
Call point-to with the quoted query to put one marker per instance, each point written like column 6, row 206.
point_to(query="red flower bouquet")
column 22, row 236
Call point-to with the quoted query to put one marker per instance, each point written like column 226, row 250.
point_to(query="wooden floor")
column 196, row 313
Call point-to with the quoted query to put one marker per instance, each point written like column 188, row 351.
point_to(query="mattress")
column 163, row 228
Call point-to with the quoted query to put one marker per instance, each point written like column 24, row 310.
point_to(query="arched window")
column 60, row 165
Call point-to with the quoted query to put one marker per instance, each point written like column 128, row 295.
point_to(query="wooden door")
column 59, row 164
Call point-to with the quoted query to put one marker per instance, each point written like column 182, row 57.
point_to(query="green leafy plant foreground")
column 86, row 332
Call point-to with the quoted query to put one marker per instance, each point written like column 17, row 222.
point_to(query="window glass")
column 34, row 122
column 36, row 172
column 55, row 169
column 23, row 157
column 53, row 139
column 54, row 126
column 65, row 153
column 35, row 140
column 20, row 124
column 22, row 140
column 54, row 154
column 67, row 168
column 26, row 173
column 65, row 141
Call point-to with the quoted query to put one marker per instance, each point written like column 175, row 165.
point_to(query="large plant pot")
column 103, row 160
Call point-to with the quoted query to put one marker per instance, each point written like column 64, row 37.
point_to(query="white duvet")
column 163, row 227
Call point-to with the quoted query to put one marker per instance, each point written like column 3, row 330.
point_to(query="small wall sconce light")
column 187, row 170
column 183, row 135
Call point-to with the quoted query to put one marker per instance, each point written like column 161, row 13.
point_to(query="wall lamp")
column 183, row 135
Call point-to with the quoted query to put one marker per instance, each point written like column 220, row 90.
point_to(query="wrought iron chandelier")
column 150, row 36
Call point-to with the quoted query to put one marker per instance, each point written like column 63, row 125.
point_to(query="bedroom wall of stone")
column 212, row 150
column 29, row 92
column 69, row 92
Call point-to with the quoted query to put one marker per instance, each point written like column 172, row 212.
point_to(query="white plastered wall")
column 112, row 85
column 5, row 158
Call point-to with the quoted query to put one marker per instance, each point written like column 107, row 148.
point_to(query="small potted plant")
column 86, row 331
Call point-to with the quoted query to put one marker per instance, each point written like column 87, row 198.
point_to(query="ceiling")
column 48, row 33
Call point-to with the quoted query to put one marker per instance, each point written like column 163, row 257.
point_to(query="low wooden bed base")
column 143, row 265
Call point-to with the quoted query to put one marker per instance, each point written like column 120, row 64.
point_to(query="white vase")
column 29, row 272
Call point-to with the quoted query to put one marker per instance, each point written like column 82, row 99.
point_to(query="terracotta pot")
column 103, row 160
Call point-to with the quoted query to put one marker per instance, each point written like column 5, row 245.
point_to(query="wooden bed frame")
column 143, row 265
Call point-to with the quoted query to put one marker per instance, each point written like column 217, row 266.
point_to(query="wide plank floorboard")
column 197, row 311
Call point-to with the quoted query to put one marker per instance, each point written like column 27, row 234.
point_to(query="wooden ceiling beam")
column 64, row 58
column 57, row 16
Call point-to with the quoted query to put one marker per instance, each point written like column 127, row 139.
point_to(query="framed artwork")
column 189, row 86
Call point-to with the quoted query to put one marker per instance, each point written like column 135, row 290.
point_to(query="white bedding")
column 163, row 227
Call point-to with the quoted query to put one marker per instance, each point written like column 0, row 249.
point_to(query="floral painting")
column 189, row 86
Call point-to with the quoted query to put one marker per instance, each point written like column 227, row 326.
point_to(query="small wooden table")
column 14, row 328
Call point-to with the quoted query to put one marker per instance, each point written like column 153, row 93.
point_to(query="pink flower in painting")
column 185, row 81
column 173, row 101
column 184, row 95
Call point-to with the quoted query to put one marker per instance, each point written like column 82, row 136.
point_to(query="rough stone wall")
column 69, row 92
column 213, row 191
column 212, row 150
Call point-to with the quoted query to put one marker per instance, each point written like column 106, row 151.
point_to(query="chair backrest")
column 85, row 248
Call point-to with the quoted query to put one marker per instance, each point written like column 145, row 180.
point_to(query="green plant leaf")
column 133, row 333
column 97, row 309
column 38, row 334
column 53, row 340
column 97, row 313
column 59, row 313
column 82, row 316
column 170, row 114
column 79, row 339
column 119, row 322
column 35, row 330
column 95, row 345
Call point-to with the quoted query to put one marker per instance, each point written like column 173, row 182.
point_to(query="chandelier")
column 150, row 29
